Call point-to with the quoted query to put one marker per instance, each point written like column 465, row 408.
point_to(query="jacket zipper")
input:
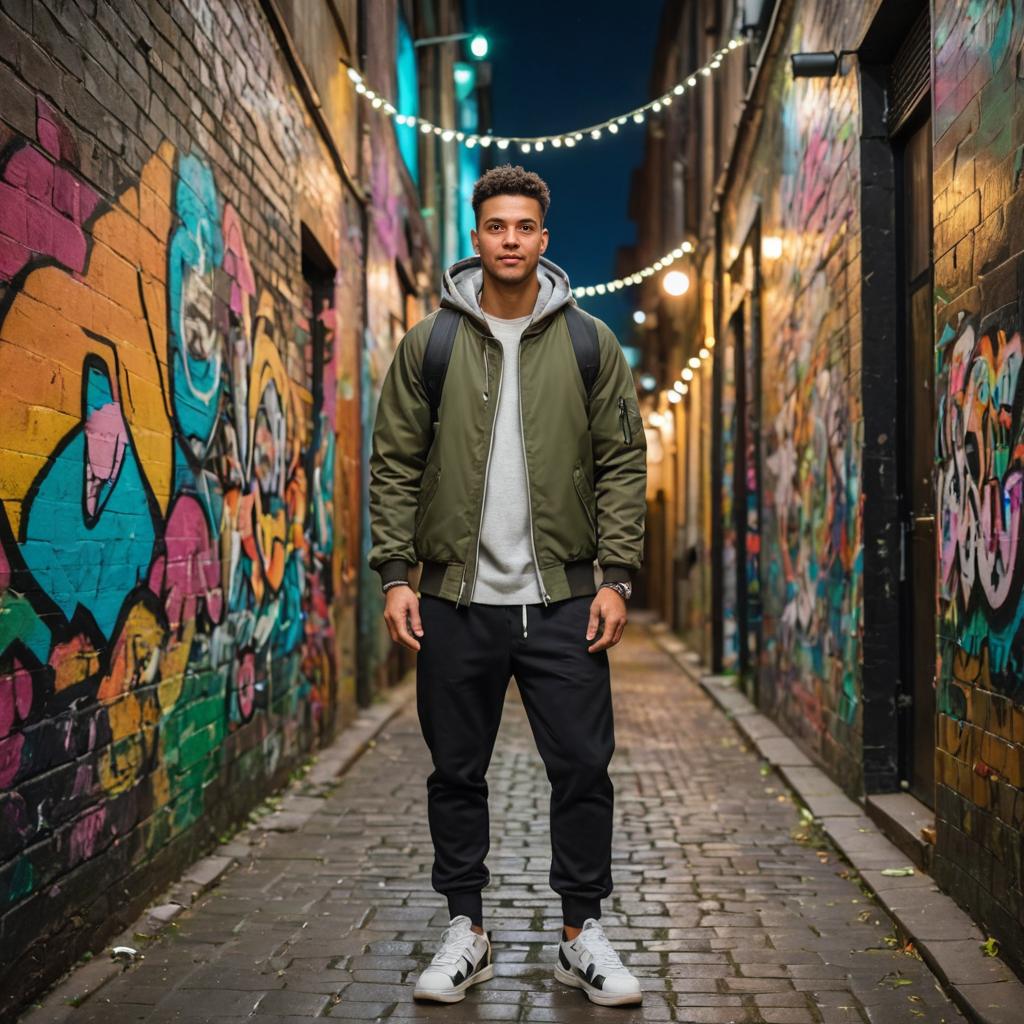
column 487, row 376
column 483, row 497
column 627, row 433
column 526, row 470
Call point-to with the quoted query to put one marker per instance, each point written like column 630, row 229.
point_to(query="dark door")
column 917, row 456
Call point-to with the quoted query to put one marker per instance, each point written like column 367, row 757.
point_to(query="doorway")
column 916, row 701
column 898, row 390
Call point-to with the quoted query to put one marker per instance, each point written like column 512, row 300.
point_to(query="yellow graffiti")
column 57, row 319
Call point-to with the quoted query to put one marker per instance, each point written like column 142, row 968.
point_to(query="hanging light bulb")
column 694, row 363
column 687, row 373
column 613, row 128
column 674, row 397
column 502, row 143
column 676, row 283
column 638, row 118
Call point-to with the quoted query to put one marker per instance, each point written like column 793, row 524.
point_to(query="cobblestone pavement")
column 725, row 903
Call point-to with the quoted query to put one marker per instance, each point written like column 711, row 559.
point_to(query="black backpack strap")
column 437, row 355
column 583, row 332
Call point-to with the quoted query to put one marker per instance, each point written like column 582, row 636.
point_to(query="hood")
column 463, row 281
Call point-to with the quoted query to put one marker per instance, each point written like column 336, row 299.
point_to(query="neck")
column 509, row 301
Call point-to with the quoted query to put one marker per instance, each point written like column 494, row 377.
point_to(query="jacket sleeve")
column 620, row 463
column 401, row 443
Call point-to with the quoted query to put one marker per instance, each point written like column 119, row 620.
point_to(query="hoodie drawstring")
column 524, row 621
column 487, row 375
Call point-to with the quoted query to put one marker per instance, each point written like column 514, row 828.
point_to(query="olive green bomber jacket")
column 586, row 475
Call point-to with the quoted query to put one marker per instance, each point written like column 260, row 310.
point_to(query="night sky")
column 559, row 65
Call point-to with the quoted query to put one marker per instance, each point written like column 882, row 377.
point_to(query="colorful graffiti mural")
column 166, row 509
column 980, row 480
column 811, row 558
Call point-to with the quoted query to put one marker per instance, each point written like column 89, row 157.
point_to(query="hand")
column 609, row 606
column 402, row 609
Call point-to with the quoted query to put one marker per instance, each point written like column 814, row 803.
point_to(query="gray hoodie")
column 507, row 572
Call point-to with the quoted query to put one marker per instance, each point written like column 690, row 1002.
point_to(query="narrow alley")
column 725, row 905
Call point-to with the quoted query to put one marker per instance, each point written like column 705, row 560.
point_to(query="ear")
column 544, row 237
column 475, row 239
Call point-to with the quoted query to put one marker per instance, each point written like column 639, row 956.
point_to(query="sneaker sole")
column 458, row 993
column 595, row 995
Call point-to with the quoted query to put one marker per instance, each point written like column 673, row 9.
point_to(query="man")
column 526, row 476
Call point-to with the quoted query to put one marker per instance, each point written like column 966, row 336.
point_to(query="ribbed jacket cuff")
column 394, row 569
column 616, row 574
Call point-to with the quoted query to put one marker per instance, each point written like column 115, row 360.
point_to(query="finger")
column 594, row 621
column 414, row 617
column 404, row 636
column 612, row 633
column 605, row 640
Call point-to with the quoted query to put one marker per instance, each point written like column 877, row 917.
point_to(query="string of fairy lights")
column 675, row 282
column 537, row 143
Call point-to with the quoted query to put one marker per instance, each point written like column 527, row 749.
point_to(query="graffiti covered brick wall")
column 979, row 295
column 801, row 188
column 172, row 376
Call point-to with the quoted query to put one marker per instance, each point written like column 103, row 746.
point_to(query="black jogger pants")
column 466, row 658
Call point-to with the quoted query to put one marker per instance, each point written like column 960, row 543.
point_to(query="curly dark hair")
column 509, row 180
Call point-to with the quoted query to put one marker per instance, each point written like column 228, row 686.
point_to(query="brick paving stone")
column 722, row 905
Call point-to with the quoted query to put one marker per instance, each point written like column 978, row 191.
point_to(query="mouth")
column 510, row 259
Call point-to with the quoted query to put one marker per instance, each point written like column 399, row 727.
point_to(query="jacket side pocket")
column 427, row 493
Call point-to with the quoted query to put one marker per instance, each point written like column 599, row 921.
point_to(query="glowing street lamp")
column 479, row 45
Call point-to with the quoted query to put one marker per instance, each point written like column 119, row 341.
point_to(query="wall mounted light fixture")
column 818, row 65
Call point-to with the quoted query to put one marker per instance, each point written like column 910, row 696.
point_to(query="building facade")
column 209, row 247
column 835, row 513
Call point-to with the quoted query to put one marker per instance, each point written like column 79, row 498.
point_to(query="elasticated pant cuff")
column 575, row 910
column 469, row 903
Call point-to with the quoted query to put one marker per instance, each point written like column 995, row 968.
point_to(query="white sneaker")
column 463, row 960
column 589, row 962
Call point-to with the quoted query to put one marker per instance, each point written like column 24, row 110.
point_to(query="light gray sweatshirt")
column 507, row 574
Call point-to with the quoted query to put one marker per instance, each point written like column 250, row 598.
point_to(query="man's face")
column 509, row 237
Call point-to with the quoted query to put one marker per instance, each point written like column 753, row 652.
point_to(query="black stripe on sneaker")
column 597, row 981
column 563, row 959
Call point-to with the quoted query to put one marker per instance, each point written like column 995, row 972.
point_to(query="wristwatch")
column 624, row 590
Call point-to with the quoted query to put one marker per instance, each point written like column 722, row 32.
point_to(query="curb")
column 298, row 802
column 983, row 987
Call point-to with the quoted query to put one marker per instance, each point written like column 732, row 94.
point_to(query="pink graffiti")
column 15, row 696
column 5, row 571
column 43, row 204
column 245, row 684
column 190, row 568
column 236, row 260
column 84, row 834
column 106, row 438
